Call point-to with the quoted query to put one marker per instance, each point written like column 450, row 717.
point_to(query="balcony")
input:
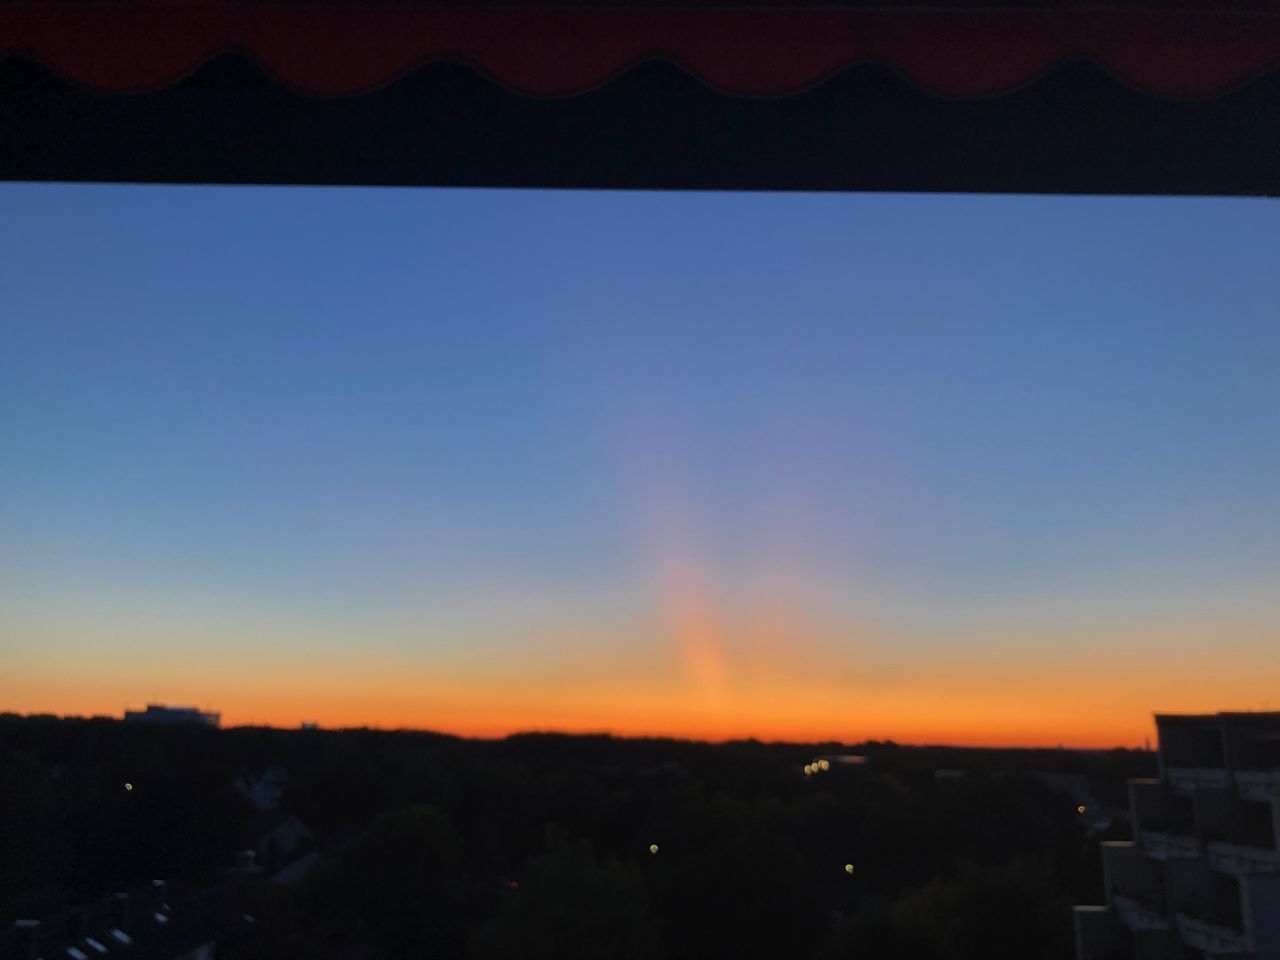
column 1237, row 858
column 1138, row 912
column 1210, row 937
column 1188, row 778
column 1167, row 846
column 1261, row 785
column 1098, row 935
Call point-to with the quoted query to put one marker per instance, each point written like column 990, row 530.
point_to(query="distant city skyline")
column 972, row 470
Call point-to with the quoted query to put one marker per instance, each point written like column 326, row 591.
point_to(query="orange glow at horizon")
column 701, row 662
column 718, row 651
column 1076, row 706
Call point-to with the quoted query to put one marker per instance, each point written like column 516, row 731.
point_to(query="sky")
column 978, row 470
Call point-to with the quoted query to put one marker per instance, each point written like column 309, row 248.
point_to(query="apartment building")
column 1200, row 880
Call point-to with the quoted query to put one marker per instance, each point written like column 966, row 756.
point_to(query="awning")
column 787, row 94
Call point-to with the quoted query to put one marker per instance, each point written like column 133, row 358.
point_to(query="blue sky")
column 443, row 425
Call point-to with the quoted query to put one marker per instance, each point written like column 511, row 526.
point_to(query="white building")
column 1200, row 880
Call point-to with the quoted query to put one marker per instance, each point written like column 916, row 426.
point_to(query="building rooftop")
column 160, row 713
column 140, row 924
column 1260, row 717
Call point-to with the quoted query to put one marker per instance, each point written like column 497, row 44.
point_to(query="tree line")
column 554, row 846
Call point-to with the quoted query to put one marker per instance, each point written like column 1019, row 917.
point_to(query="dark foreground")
column 373, row 844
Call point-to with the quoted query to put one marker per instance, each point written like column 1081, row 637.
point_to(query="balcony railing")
column 1169, row 846
column 1237, row 858
column 1210, row 937
column 1258, row 784
column 1188, row 778
column 1138, row 912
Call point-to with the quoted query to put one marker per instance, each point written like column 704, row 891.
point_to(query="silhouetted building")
column 139, row 925
column 298, row 871
column 158, row 713
column 281, row 839
column 1201, row 876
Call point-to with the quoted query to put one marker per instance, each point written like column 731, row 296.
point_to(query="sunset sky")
column 937, row 469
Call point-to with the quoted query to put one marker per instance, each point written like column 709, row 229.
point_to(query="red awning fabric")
column 951, row 50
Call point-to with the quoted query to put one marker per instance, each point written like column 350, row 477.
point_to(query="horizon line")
column 612, row 734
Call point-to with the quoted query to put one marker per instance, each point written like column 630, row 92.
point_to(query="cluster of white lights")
column 816, row 766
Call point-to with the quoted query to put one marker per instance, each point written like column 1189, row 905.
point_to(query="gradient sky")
column 945, row 469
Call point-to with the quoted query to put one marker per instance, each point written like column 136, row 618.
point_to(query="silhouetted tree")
column 571, row 906
column 748, row 895
column 399, row 886
column 1004, row 912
